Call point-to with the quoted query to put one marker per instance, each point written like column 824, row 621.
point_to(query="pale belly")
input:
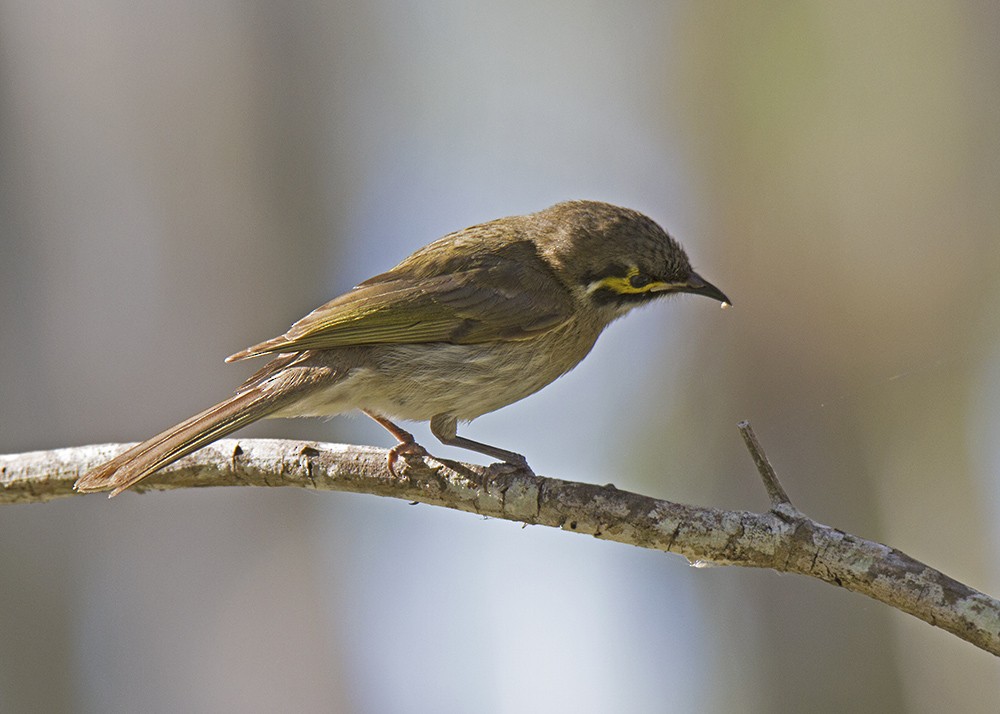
column 417, row 382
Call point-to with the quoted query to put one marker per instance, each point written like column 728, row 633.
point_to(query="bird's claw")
column 511, row 464
column 406, row 448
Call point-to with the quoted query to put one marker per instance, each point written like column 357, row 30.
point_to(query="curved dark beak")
column 699, row 286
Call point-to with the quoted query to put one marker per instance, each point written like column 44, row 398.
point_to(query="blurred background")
column 180, row 180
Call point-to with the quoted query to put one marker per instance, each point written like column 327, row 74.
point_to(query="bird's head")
column 615, row 258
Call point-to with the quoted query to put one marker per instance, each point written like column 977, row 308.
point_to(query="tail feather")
column 140, row 461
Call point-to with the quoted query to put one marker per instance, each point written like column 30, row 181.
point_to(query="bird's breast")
column 418, row 381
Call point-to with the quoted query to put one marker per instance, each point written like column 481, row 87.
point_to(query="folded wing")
column 510, row 296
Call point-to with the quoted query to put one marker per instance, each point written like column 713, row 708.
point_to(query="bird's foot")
column 403, row 448
column 511, row 463
column 407, row 445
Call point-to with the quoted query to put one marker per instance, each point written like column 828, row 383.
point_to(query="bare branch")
column 782, row 539
column 775, row 491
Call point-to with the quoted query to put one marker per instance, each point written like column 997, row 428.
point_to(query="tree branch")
column 782, row 539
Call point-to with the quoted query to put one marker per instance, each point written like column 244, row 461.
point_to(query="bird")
column 470, row 323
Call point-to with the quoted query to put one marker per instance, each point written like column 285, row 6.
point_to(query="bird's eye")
column 639, row 280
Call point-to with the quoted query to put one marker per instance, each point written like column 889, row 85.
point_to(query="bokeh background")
column 179, row 180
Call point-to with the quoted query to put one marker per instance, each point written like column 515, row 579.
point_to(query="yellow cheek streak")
column 623, row 285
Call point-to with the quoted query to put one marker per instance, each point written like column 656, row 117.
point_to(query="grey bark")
column 782, row 538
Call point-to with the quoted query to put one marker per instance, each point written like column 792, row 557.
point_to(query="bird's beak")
column 699, row 286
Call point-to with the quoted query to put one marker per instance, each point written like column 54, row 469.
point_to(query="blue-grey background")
column 179, row 180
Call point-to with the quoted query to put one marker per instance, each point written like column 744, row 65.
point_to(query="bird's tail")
column 140, row 461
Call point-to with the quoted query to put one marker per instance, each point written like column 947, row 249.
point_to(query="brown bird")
column 476, row 320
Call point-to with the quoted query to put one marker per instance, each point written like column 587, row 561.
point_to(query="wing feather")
column 510, row 294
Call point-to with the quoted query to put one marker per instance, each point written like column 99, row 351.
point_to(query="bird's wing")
column 510, row 295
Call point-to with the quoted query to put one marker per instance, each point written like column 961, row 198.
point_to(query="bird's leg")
column 407, row 444
column 445, row 428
